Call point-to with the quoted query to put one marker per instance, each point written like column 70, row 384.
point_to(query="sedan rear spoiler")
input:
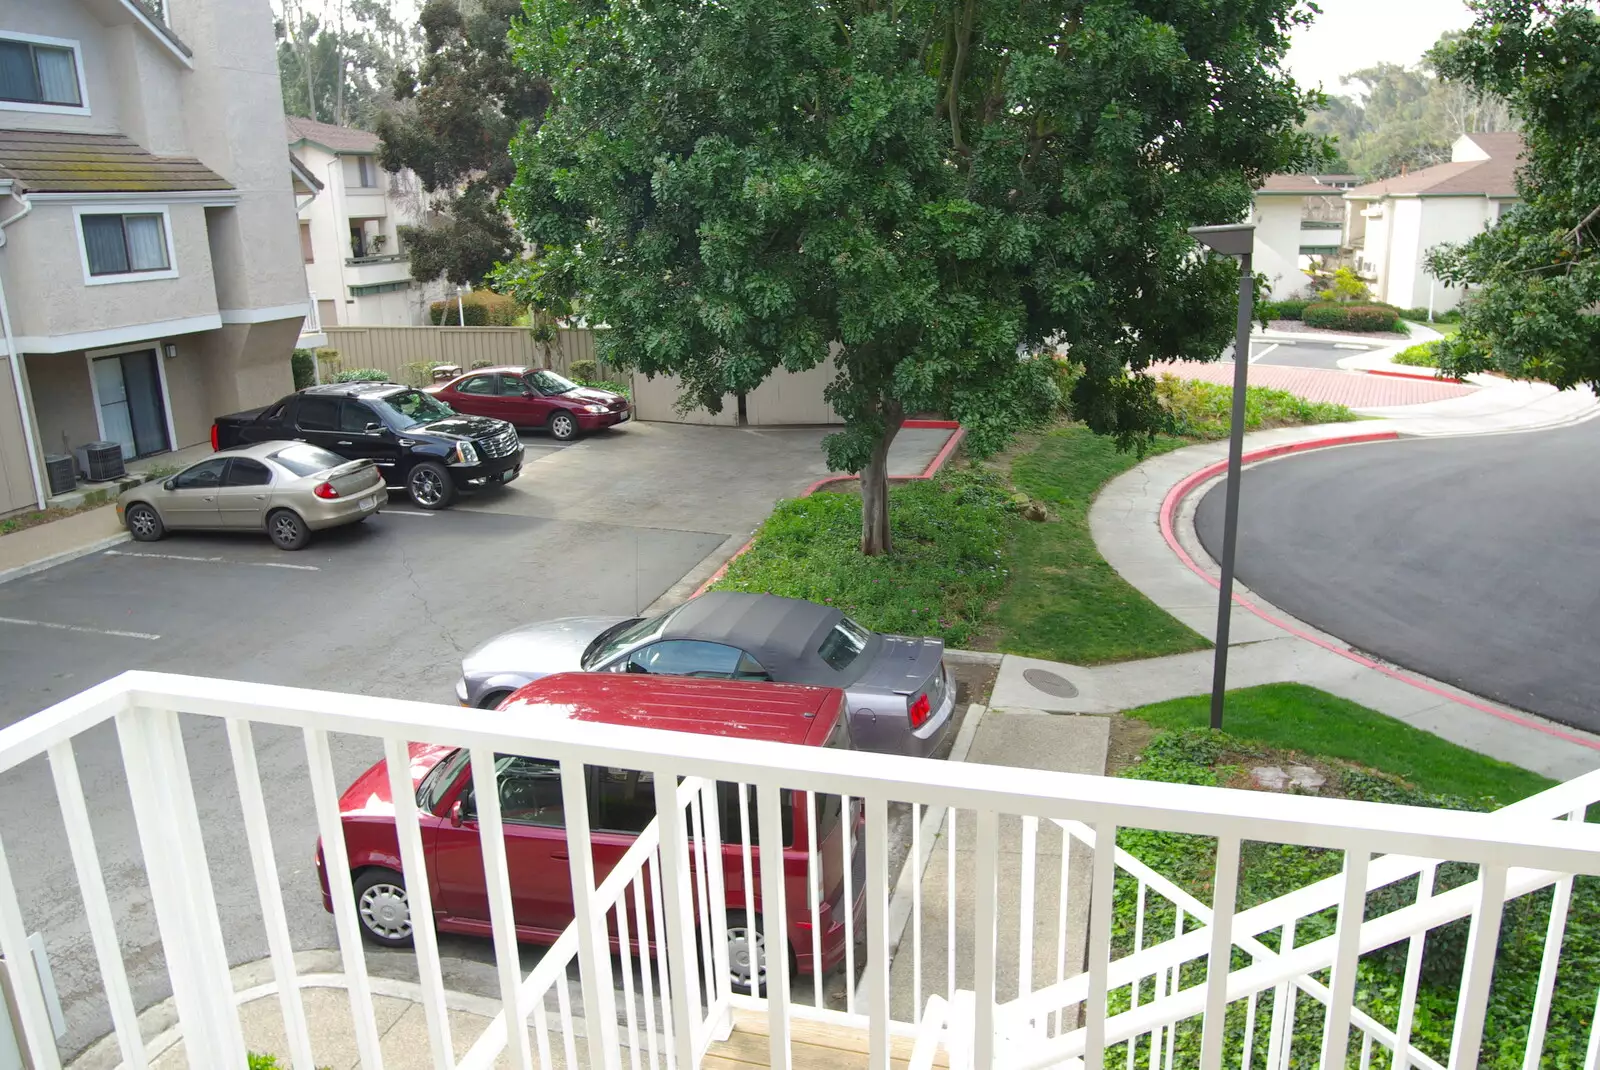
column 349, row 469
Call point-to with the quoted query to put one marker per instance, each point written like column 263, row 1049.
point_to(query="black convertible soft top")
column 781, row 633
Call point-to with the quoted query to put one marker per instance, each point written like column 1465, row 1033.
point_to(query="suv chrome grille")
column 502, row 445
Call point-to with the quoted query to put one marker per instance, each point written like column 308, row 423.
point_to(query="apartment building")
column 149, row 272
column 357, row 271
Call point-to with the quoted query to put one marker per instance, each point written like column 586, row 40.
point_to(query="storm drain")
column 1050, row 683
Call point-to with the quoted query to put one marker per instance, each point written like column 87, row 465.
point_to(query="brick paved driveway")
column 1358, row 390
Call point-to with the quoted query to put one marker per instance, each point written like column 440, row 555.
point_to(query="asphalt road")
column 1299, row 354
column 384, row 608
column 1470, row 560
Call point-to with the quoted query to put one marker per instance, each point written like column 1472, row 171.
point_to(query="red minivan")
column 621, row 804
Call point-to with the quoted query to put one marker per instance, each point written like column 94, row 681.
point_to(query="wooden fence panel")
column 392, row 349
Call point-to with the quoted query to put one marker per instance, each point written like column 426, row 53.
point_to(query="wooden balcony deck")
column 814, row 1045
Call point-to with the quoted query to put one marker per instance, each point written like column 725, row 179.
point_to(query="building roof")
column 336, row 139
column 1304, row 185
column 1494, row 177
column 53, row 161
column 303, row 173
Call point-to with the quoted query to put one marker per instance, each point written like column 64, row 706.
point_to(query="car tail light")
column 213, row 436
column 920, row 710
column 325, row 490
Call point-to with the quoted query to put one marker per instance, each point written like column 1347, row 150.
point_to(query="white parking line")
column 407, row 512
column 1264, row 352
column 214, row 560
column 1350, row 345
column 76, row 628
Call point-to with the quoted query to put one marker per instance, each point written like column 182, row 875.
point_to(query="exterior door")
column 536, row 849
column 245, row 494
column 192, row 502
column 132, row 412
column 523, row 406
column 476, row 395
column 317, row 422
column 357, row 442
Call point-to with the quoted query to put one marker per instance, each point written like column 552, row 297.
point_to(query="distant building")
column 351, row 210
column 1391, row 225
column 1297, row 217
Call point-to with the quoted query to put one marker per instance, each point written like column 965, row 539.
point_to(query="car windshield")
column 430, row 793
column 306, row 460
column 843, row 643
column 547, row 382
column 412, row 408
column 620, row 637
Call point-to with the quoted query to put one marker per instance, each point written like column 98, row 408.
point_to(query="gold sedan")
column 287, row 489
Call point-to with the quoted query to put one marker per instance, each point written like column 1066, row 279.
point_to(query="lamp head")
column 1229, row 239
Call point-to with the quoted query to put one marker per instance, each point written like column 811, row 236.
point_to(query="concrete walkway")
column 1267, row 644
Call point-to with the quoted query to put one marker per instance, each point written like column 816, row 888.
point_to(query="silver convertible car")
column 899, row 694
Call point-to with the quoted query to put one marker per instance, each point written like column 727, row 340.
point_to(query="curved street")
column 1473, row 560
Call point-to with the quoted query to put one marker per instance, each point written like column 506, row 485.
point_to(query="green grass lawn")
column 1297, row 717
column 1366, row 756
column 1065, row 603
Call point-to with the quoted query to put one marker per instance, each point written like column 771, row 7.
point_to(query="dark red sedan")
column 534, row 397
column 621, row 804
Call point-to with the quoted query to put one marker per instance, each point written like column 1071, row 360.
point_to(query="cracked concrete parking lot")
column 605, row 525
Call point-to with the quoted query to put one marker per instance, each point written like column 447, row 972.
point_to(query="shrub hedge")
column 1333, row 317
column 1425, row 355
column 303, row 363
column 1283, row 310
column 482, row 308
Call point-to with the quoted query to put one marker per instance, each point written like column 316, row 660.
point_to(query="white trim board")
column 299, row 310
column 206, row 198
column 115, row 208
column 117, row 336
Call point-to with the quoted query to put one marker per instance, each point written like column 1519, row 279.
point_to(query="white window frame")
column 160, row 346
column 77, row 62
column 164, row 211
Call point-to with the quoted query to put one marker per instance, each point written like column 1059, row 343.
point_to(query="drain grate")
column 1050, row 683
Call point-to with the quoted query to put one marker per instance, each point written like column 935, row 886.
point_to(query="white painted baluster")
column 424, row 940
column 664, row 968
column 502, row 919
column 1225, row 887
column 1030, row 845
column 1174, row 982
column 1482, row 940
column 985, row 926
column 1284, row 997
column 1413, row 975
column 626, row 946
column 641, row 915
column 541, row 1032
column 849, row 905
column 916, row 914
column 1554, row 934
column 774, row 909
column 38, row 1035
column 720, row 1021
column 1101, row 908
column 1591, row 1055
column 814, row 868
column 1062, row 896
column 950, row 906
column 594, row 942
column 1342, row 983
column 1248, row 1054
column 97, row 911
column 702, row 891
column 878, row 932
column 679, row 918
column 1156, row 1034
column 569, row 1043
column 1138, row 945
column 1366, row 1050
column 336, row 866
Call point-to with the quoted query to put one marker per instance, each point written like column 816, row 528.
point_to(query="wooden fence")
column 402, row 352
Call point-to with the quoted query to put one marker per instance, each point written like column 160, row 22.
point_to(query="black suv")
column 419, row 442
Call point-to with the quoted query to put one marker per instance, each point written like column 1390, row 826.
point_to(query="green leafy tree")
column 452, row 120
column 1535, row 277
column 341, row 71
column 926, row 191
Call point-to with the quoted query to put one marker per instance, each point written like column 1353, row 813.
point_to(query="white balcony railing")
column 313, row 323
column 649, row 936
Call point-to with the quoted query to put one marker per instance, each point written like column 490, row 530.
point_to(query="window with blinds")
column 125, row 244
column 36, row 73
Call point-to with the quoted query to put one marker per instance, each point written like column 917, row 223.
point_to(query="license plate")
column 369, row 503
column 623, row 418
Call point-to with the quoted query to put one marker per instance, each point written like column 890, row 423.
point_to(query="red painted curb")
column 1414, row 375
column 1175, row 497
column 927, row 473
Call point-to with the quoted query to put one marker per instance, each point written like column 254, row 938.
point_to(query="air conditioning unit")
column 100, row 462
column 61, row 472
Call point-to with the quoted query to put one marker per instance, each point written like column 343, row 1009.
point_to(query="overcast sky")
column 1352, row 34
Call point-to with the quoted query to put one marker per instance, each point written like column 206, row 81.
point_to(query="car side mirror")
column 529, row 392
column 171, row 484
column 455, row 814
column 374, row 428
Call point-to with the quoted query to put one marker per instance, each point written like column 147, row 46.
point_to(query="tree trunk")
column 338, row 72
column 744, row 414
column 875, row 494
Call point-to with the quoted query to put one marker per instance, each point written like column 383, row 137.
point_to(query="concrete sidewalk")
column 1268, row 645
column 32, row 549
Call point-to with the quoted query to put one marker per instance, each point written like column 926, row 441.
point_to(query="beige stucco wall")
column 234, row 109
column 71, row 20
column 44, row 280
column 16, row 479
column 1447, row 219
column 63, row 403
column 186, row 390
column 785, row 398
column 241, row 366
column 149, row 91
column 1277, row 245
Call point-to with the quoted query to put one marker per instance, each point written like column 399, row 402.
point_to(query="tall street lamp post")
column 1237, row 239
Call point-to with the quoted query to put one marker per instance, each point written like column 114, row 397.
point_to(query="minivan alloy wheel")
column 744, row 944
column 386, row 911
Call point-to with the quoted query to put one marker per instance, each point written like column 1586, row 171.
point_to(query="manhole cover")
column 1050, row 683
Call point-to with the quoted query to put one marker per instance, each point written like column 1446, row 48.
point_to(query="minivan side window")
column 624, row 799
column 728, row 814
column 318, row 414
column 530, row 792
